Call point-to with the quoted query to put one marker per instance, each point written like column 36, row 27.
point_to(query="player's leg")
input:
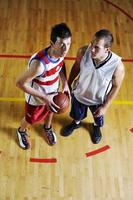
column 98, row 122
column 23, row 135
column 32, row 115
column 49, row 134
column 78, row 112
column 24, row 124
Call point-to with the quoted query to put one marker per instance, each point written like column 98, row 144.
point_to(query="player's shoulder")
column 81, row 51
column 120, row 70
column 35, row 63
column 121, row 66
column 36, row 67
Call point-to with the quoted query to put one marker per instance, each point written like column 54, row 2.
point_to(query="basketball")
column 63, row 101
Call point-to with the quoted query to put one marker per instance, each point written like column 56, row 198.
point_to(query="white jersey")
column 95, row 82
column 48, row 79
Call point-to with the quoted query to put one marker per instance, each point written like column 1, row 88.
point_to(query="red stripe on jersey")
column 40, row 55
column 45, row 59
column 46, row 82
column 53, row 70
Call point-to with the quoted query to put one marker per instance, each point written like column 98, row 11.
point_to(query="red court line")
column 123, row 11
column 43, row 160
column 100, row 150
column 14, row 56
column 127, row 60
column 70, row 58
column 131, row 130
column 28, row 56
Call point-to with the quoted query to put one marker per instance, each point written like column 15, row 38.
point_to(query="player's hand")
column 100, row 111
column 66, row 90
column 48, row 100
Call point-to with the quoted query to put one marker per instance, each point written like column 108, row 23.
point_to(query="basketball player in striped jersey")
column 100, row 74
column 40, row 82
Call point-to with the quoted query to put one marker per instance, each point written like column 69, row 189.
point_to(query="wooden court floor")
column 77, row 169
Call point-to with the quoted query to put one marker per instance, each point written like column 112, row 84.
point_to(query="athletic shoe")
column 50, row 136
column 70, row 128
column 23, row 139
column 96, row 136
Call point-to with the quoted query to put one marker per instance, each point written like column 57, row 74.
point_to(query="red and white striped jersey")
column 48, row 79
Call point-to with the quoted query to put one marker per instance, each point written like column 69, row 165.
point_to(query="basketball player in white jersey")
column 100, row 74
column 40, row 83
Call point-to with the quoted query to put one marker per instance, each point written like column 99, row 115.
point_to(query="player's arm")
column 31, row 73
column 116, row 84
column 76, row 66
column 27, row 76
column 63, row 77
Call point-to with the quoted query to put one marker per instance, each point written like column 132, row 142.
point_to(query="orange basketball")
column 63, row 101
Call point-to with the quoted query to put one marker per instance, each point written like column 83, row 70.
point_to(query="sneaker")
column 96, row 137
column 70, row 128
column 50, row 136
column 23, row 139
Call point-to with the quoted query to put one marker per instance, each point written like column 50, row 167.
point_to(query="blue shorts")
column 79, row 111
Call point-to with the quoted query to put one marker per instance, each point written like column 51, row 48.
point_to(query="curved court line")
column 131, row 130
column 97, row 151
column 43, row 160
column 123, row 11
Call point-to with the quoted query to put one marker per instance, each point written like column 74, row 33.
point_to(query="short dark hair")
column 60, row 30
column 107, row 35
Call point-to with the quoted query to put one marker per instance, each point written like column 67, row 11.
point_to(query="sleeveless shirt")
column 94, row 83
column 48, row 81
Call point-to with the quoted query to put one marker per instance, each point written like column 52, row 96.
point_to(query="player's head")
column 60, row 30
column 60, row 39
column 106, row 35
column 101, row 44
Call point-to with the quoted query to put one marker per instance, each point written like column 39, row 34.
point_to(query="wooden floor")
column 24, row 29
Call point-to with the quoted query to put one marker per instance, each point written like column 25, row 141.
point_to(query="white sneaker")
column 23, row 139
